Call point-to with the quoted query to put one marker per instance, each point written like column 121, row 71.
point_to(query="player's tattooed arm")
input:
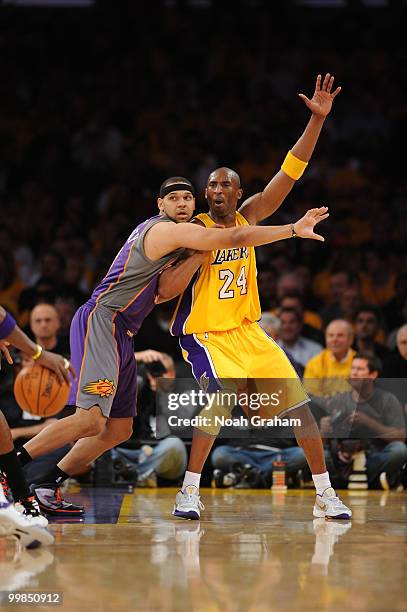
column 263, row 204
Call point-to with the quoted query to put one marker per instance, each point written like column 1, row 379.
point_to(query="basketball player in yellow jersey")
column 216, row 316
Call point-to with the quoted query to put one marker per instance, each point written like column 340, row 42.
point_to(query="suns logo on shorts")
column 102, row 387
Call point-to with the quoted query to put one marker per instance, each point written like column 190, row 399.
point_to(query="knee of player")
column 91, row 422
column 125, row 433
column 118, row 431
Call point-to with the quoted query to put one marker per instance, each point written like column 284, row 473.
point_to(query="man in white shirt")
column 290, row 338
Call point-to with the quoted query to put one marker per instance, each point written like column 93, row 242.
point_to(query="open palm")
column 304, row 227
column 321, row 101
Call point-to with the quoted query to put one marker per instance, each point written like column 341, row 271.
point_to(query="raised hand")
column 304, row 227
column 321, row 102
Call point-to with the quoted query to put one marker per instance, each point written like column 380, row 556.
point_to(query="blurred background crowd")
column 98, row 108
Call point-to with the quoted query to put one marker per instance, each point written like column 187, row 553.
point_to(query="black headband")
column 176, row 187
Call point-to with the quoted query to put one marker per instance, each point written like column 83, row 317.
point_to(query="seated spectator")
column 45, row 325
column 367, row 328
column 271, row 324
column 289, row 284
column 327, row 373
column 290, row 339
column 392, row 339
column 305, row 274
column 266, row 280
column 347, row 301
column 294, row 300
column 395, row 366
column 330, row 286
column 165, row 459
column 373, row 418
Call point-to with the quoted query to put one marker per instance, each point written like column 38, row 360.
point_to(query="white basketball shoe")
column 29, row 535
column 188, row 504
column 329, row 506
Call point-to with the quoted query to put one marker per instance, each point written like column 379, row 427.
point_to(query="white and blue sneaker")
column 188, row 504
column 329, row 506
column 29, row 535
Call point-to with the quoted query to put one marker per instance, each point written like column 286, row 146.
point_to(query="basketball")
column 39, row 392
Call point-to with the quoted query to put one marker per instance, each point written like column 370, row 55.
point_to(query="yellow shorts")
column 247, row 361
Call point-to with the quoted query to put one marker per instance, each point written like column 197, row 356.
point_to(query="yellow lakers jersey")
column 223, row 293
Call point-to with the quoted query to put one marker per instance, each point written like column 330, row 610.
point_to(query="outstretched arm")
column 175, row 279
column 165, row 238
column 263, row 204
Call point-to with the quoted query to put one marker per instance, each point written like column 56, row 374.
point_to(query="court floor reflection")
column 251, row 551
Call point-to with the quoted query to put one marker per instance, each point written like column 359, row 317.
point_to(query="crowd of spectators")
column 91, row 123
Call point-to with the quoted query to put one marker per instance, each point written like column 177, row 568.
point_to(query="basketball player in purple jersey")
column 102, row 331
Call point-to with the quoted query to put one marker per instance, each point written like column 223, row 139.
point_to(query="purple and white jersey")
column 130, row 286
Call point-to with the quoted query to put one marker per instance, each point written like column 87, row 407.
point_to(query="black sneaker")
column 6, row 489
column 51, row 502
column 30, row 509
column 250, row 478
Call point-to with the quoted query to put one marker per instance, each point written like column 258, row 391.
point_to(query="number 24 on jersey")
column 227, row 291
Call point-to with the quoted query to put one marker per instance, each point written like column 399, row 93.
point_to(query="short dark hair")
column 173, row 180
column 368, row 308
column 293, row 294
column 373, row 362
column 293, row 311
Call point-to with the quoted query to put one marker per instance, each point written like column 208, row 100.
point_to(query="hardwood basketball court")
column 252, row 550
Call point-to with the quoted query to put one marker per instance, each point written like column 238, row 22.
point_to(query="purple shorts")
column 102, row 354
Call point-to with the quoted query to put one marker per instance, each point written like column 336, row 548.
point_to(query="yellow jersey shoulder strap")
column 207, row 220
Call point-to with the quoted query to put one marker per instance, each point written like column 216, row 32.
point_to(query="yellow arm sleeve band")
column 293, row 167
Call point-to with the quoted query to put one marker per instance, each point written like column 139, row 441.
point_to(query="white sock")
column 321, row 482
column 3, row 499
column 191, row 478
